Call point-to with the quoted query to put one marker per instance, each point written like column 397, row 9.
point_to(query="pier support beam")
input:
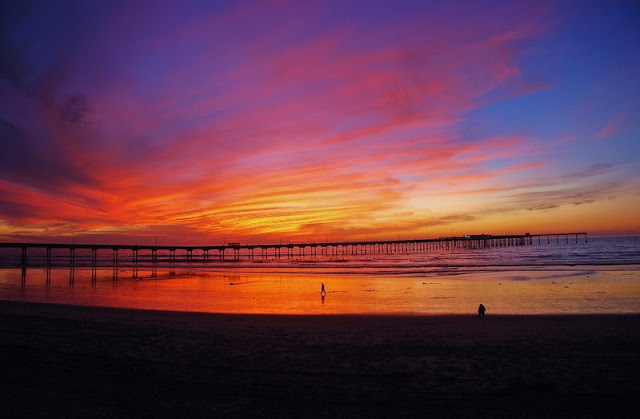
column 326, row 248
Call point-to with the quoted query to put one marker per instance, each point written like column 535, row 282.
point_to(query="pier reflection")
column 513, row 291
column 23, row 281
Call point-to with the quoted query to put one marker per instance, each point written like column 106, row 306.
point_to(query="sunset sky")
column 259, row 121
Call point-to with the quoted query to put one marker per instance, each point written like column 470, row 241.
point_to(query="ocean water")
column 598, row 276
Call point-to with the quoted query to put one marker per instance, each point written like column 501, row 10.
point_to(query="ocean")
column 601, row 275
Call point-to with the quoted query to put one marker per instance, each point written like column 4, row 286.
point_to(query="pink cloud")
column 206, row 130
column 616, row 124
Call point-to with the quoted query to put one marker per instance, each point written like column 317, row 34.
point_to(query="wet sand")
column 557, row 290
column 70, row 361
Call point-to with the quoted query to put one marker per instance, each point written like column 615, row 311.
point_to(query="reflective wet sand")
column 576, row 290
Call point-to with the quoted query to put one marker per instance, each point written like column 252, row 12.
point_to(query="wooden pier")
column 234, row 251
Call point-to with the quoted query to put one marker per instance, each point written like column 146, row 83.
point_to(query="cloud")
column 27, row 159
column 267, row 118
column 617, row 124
column 74, row 108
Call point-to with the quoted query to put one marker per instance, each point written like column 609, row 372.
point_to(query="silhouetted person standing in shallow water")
column 322, row 291
column 481, row 310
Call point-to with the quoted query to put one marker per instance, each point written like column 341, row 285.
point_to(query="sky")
column 205, row 122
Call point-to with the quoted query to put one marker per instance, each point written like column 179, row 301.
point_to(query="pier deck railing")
column 289, row 249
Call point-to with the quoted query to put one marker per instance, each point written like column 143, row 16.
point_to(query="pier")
column 235, row 251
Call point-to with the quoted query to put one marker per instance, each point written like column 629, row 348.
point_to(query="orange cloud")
column 296, row 124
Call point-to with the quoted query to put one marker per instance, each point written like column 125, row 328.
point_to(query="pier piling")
column 303, row 249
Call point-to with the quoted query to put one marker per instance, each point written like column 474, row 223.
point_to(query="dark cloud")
column 13, row 66
column 31, row 163
column 18, row 210
column 36, row 149
column 586, row 201
column 594, row 170
column 542, row 207
column 74, row 108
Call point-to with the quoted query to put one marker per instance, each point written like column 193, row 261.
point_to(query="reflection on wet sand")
column 503, row 292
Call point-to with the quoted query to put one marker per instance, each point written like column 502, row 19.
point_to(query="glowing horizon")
column 265, row 120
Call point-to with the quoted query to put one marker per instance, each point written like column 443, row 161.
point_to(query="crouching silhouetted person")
column 481, row 310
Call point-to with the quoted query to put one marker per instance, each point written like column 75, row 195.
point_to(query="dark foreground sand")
column 62, row 361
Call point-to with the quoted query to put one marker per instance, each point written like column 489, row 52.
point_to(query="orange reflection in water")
column 504, row 292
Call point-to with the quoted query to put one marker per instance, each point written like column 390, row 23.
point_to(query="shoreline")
column 53, row 309
column 83, row 361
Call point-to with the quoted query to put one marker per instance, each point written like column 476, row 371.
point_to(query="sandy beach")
column 71, row 361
